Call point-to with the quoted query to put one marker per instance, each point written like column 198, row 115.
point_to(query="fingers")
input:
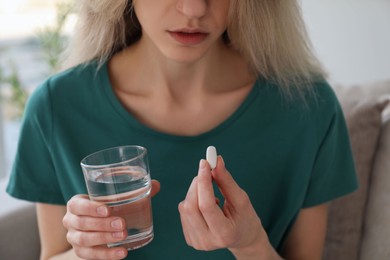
column 84, row 223
column 91, row 239
column 195, row 229
column 192, row 195
column 86, row 215
column 227, row 185
column 189, row 207
column 206, row 226
column 82, row 206
column 100, row 252
column 211, row 212
column 155, row 187
column 201, row 217
column 90, row 226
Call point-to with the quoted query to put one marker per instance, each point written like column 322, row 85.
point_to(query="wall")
column 351, row 37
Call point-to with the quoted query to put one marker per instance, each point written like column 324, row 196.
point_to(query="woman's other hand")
column 235, row 225
column 91, row 227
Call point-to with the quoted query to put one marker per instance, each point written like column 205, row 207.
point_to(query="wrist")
column 260, row 249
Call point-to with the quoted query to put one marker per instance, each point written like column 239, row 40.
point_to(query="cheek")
column 221, row 17
column 148, row 25
column 151, row 18
column 144, row 12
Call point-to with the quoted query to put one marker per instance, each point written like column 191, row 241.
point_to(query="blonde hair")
column 270, row 34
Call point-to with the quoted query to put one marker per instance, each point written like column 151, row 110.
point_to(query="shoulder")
column 64, row 85
column 326, row 111
column 323, row 106
column 315, row 107
column 75, row 78
column 318, row 97
column 324, row 103
column 324, row 96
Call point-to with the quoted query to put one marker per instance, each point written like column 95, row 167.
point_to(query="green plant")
column 17, row 96
column 51, row 38
column 51, row 41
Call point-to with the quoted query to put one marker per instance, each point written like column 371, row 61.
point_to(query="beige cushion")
column 357, row 93
column 346, row 214
column 376, row 242
column 19, row 237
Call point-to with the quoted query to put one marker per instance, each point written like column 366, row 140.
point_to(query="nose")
column 192, row 8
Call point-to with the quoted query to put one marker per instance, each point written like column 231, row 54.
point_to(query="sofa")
column 358, row 224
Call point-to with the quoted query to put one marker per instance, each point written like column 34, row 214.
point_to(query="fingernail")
column 102, row 211
column 223, row 162
column 120, row 253
column 116, row 224
column 117, row 234
column 202, row 164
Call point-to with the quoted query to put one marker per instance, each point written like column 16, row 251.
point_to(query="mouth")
column 188, row 37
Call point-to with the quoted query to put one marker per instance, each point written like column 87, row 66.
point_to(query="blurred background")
column 32, row 35
column 351, row 38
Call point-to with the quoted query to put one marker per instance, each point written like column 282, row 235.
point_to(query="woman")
column 176, row 76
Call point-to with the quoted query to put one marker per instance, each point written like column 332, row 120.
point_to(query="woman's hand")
column 236, row 226
column 90, row 227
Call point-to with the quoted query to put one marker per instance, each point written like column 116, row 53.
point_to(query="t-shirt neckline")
column 129, row 118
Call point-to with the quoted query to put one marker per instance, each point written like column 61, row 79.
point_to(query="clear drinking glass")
column 120, row 178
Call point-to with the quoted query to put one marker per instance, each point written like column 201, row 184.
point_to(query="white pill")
column 211, row 156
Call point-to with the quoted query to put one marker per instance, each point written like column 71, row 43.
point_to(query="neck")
column 148, row 71
column 178, row 74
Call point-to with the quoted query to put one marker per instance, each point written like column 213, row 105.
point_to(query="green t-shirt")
column 284, row 154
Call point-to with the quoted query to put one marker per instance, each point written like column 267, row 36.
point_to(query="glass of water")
column 120, row 178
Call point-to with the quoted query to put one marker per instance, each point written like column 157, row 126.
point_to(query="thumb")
column 226, row 184
column 155, row 187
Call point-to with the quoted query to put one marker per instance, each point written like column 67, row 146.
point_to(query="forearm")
column 51, row 231
column 68, row 255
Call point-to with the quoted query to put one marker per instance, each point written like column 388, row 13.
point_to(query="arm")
column 51, row 231
column 79, row 217
column 82, row 229
column 307, row 236
column 235, row 225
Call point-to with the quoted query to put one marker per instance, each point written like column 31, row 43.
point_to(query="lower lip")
column 188, row 38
